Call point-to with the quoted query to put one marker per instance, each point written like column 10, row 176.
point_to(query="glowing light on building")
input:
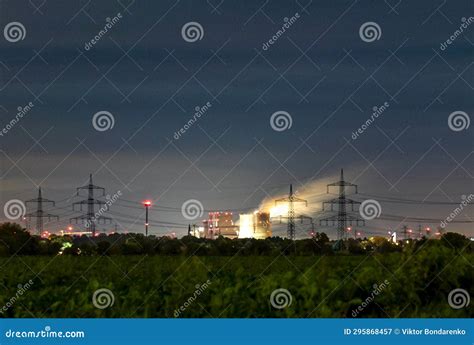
column 220, row 224
column 246, row 226
column 255, row 225
column 75, row 233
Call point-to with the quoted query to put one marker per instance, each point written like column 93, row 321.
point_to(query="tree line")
column 15, row 240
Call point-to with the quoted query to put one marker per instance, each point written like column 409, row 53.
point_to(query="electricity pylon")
column 90, row 218
column 342, row 218
column 39, row 214
column 291, row 200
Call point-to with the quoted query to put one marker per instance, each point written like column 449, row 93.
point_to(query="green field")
column 320, row 286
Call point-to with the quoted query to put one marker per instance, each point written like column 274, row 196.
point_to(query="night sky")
column 320, row 71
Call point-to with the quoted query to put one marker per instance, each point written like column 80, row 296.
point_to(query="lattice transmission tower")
column 291, row 200
column 40, row 214
column 342, row 218
column 90, row 218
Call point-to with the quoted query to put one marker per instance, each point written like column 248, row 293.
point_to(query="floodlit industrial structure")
column 220, row 224
column 255, row 225
column 252, row 225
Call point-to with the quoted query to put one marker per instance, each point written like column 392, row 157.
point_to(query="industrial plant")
column 345, row 215
column 251, row 225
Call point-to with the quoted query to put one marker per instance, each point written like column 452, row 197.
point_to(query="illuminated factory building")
column 253, row 225
column 220, row 224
